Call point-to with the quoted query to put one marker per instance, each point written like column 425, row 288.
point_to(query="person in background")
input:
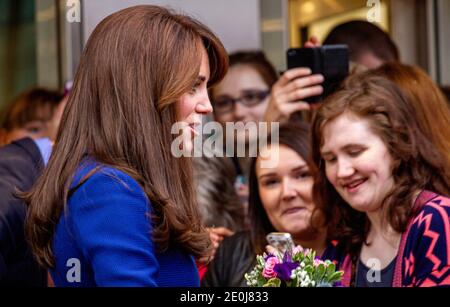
column 381, row 188
column 428, row 101
column 115, row 200
column 280, row 200
column 252, row 92
column 368, row 45
column 220, row 207
column 32, row 114
column 21, row 163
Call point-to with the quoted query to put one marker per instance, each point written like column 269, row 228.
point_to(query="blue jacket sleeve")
column 110, row 217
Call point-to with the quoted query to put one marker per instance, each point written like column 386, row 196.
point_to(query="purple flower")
column 284, row 270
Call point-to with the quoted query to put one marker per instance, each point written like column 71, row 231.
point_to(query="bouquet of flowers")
column 294, row 268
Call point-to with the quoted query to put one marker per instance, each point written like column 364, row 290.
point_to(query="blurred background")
column 41, row 40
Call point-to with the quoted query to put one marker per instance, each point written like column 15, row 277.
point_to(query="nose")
column 204, row 106
column 288, row 192
column 344, row 168
column 240, row 111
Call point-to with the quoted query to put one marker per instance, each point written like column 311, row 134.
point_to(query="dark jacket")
column 233, row 259
column 20, row 165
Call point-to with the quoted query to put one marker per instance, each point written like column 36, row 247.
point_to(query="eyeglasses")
column 249, row 98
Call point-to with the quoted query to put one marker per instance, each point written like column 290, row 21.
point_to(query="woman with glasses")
column 252, row 92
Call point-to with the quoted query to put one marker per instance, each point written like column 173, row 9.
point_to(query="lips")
column 293, row 210
column 354, row 185
column 194, row 131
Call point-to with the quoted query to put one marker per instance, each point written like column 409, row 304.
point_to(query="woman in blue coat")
column 115, row 207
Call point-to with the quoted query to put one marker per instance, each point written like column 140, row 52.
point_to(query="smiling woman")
column 113, row 197
column 280, row 200
column 379, row 175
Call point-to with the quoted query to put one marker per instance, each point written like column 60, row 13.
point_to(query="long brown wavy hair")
column 137, row 63
column 417, row 163
column 427, row 99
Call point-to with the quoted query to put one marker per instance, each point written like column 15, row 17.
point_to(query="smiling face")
column 286, row 190
column 195, row 103
column 357, row 162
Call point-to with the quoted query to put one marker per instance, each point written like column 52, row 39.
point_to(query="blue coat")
column 104, row 237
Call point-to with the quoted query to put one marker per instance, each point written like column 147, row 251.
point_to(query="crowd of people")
column 92, row 194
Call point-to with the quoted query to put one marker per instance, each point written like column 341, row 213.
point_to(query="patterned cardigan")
column 423, row 258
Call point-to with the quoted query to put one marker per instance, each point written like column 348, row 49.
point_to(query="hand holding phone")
column 331, row 61
column 289, row 93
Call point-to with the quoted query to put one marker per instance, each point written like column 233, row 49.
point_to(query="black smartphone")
column 331, row 61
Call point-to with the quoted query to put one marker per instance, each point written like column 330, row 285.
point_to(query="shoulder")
column 20, row 156
column 434, row 213
column 427, row 252
column 104, row 187
column 97, row 177
column 241, row 239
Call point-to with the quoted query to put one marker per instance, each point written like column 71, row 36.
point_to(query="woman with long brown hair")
column 382, row 187
column 427, row 99
column 115, row 207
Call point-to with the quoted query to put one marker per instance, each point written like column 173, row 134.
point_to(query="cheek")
column 269, row 199
column 185, row 107
column 257, row 112
column 305, row 192
column 330, row 172
column 225, row 118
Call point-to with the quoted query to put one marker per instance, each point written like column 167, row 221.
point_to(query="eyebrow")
column 348, row 146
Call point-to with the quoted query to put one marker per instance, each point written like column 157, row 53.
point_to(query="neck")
column 316, row 242
column 380, row 228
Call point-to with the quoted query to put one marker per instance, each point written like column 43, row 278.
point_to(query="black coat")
column 234, row 258
column 20, row 165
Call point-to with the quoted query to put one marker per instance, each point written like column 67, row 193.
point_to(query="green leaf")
column 336, row 276
column 273, row 282
column 320, row 271
column 331, row 268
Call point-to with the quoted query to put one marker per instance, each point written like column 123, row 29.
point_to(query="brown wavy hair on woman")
column 137, row 63
column 427, row 99
column 417, row 163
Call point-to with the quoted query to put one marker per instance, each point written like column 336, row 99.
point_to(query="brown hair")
column 362, row 36
column 258, row 61
column 296, row 136
column 417, row 164
column 137, row 63
column 428, row 101
column 36, row 104
column 218, row 201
